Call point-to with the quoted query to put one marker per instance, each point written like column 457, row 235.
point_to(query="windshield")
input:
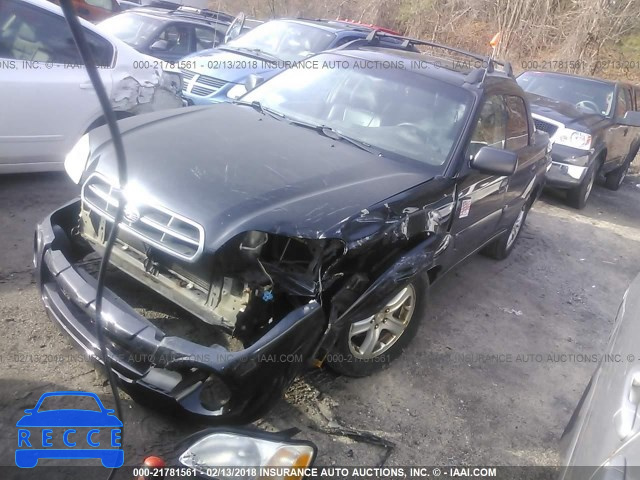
column 399, row 113
column 588, row 95
column 289, row 41
column 136, row 30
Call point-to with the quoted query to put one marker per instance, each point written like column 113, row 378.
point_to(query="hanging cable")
column 94, row 75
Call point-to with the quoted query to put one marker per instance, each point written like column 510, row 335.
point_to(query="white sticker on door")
column 464, row 208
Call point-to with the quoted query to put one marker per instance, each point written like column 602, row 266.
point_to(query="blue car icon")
column 82, row 432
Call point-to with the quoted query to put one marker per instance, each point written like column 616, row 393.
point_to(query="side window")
column 177, row 37
column 628, row 99
column 206, row 38
column 106, row 4
column 345, row 40
column 517, row 123
column 101, row 48
column 491, row 127
column 623, row 105
column 29, row 33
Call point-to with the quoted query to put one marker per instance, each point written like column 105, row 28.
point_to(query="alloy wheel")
column 374, row 335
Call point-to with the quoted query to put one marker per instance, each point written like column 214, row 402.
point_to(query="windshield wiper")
column 255, row 51
column 321, row 129
column 336, row 135
column 257, row 106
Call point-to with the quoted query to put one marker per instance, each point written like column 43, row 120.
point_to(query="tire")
column 577, row 197
column 347, row 358
column 502, row 246
column 614, row 179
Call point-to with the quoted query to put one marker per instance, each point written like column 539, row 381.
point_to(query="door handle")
column 634, row 391
column 86, row 86
column 627, row 419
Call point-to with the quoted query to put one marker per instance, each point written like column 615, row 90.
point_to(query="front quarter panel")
column 409, row 237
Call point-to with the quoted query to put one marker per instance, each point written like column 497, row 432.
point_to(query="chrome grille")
column 187, row 75
column 201, row 91
column 200, row 85
column 210, row 81
column 153, row 224
column 545, row 126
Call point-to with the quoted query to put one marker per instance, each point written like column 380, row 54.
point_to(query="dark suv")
column 308, row 220
column 591, row 124
column 169, row 34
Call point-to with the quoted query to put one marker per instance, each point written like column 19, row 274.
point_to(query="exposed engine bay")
column 245, row 288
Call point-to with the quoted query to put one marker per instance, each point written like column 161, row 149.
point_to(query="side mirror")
column 253, row 81
column 495, row 161
column 630, row 119
column 160, row 46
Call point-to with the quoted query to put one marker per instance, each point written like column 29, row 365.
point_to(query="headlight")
column 264, row 455
column 172, row 81
column 237, row 91
column 573, row 138
column 76, row 160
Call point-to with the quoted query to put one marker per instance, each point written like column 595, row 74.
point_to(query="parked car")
column 592, row 124
column 225, row 73
column 169, row 34
column 47, row 100
column 308, row 219
column 94, row 10
column 604, row 430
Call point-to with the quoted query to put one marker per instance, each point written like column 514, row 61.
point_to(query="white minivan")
column 47, row 101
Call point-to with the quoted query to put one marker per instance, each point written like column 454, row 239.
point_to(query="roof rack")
column 366, row 25
column 204, row 12
column 488, row 62
column 354, row 25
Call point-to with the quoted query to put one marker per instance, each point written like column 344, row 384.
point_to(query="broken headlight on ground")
column 261, row 455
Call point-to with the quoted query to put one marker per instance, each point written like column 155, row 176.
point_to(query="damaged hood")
column 233, row 169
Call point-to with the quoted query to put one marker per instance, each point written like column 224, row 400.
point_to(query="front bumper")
column 568, row 166
column 168, row 371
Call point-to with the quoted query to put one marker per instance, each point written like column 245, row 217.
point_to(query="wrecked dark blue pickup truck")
column 306, row 221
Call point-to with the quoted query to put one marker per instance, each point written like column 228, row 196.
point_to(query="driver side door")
column 481, row 197
column 621, row 135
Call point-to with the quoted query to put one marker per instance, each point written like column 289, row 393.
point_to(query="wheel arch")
column 101, row 120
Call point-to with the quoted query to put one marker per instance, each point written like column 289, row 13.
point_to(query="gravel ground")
column 484, row 382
